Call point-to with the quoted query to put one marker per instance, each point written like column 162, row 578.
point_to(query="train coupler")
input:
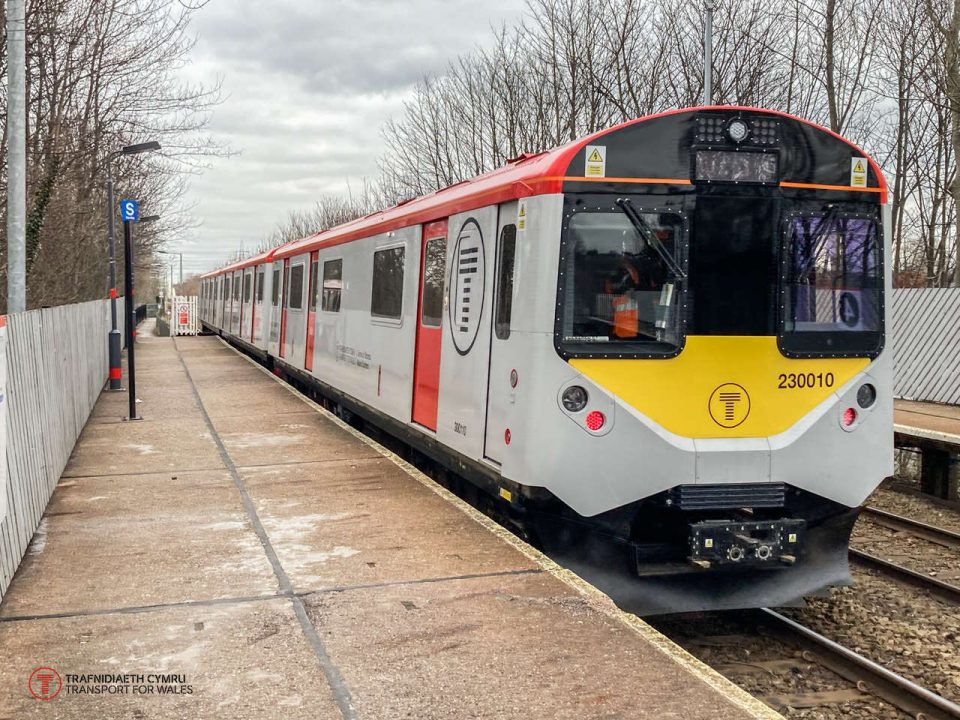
column 769, row 543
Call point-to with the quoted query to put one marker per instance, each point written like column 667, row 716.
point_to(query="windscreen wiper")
column 643, row 227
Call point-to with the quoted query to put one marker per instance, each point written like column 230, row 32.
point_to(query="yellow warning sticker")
column 596, row 165
column 858, row 172
column 522, row 216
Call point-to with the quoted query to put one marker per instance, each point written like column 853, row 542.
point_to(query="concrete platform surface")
column 240, row 553
column 940, row 422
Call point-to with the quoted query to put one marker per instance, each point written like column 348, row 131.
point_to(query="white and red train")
column 661, row 347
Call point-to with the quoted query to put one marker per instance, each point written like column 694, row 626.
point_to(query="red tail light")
column 595, row 420
column 849, row 417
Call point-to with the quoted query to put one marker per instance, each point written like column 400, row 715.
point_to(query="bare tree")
column 101, row 75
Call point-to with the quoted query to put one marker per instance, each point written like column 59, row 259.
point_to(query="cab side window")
column 504, row 291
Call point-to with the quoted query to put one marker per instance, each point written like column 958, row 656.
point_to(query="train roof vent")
column 729, row 497
column 524, row 156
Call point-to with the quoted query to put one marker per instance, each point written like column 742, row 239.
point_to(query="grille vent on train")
column 728, row 497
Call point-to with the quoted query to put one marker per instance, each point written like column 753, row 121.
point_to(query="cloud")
column 349, row 46
column 308, row 86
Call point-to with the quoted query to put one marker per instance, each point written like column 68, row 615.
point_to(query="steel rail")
column 865, row 673
column 945, row 590
column 892, row 521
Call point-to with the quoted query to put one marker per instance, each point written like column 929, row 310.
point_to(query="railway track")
column 824, row 674
column 939, row 536
column 866, row 675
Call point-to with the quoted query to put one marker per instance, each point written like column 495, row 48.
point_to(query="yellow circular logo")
column 729, row 405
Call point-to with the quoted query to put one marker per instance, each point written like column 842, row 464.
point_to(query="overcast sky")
column 307, row 85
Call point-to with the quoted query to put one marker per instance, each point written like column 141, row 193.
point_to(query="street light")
column 113, row 338
column 179, row 255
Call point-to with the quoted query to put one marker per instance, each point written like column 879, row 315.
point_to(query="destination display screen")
column 729, row 166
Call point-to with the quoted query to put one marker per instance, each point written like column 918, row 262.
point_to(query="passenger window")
column 386, row 300
column 434, row 267
column 296, row 288
column 275, row 291
column 332, row 285
column 504, row 308
column 247, row 280
column 236, row 288
column 313, row 286
column 226, row 289
column 259, row 287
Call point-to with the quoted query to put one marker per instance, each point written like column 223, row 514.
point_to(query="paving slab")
column 523, row 646
column 288, row 438
column 239, row 661
column 134, row 540
column 165, row 399
column 145, row 446
column 243, row 398
column 362, row 522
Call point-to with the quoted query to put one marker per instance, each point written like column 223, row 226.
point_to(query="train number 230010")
column 790, row 381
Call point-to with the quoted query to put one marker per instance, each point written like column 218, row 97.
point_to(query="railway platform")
column 240, row 553
column 934, row 430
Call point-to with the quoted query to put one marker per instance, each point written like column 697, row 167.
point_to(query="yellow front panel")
column 723, row 386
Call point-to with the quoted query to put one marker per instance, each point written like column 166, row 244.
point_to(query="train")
column 660, row 349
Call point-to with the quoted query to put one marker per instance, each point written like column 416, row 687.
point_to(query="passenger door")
column 284, row 299
column 276, row 282
column 311, row 312
column 462, row 410
column 502, row 380
column 426, row 365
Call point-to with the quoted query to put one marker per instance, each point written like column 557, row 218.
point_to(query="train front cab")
column 724, row 400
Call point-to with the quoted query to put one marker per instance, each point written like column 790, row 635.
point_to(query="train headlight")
column 738, row 131
column 575, row 398
column 866, row 395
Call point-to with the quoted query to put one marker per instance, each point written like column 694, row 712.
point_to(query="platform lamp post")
column 113, row 337
column 180, row 256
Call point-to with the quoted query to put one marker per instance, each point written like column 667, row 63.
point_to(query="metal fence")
column 185, row 319
column 56, row 367
column 926, row 344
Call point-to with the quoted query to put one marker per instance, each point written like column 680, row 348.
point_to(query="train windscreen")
column 623, row 280
column 832, row 283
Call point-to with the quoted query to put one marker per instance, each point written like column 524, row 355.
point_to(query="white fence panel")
column 56, row 367
column 185, row 320
column 926, row 344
